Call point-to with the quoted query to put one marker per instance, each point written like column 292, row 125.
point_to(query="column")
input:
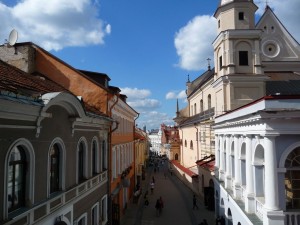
column 221, row 170
column 237, row 169
column 249, row 206
column 228, row 168
column 217, row 156
column 271, row 175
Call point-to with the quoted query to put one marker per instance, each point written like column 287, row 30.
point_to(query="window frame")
column 30, row 174
column 95, row 157
column 62, row 159
column 103, row 210
column 81, row 178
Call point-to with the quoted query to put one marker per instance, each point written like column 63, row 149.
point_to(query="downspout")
column 134, row 153
column 197, row 142
column 109, row 163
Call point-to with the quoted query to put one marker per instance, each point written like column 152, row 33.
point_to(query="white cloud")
column 193, row 42
column 154, row 119
column 176, row 95
column 55, row 24
column 134, row 93
column 144, row 104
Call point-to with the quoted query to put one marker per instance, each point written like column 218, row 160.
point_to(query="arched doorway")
column 176, row 156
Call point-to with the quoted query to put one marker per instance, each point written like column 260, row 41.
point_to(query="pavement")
column 178, row 203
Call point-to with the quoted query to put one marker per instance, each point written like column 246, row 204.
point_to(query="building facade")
column 257, row 152
column 251, row 60
column 53, row 153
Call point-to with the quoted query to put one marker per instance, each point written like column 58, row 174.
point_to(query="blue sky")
column 146, row 47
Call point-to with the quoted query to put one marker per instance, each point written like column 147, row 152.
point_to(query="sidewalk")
column 178, row 204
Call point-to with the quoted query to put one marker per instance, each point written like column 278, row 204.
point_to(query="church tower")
column 239, row 77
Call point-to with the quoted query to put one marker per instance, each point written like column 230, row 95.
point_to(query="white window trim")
column 97, row 213
column 62, row 164
column 31, row 172
column 83, row 216
column 104, row 199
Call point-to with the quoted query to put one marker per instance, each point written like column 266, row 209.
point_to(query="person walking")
column 195, row 202
column 152, row 187
column 161, row 204
column 158, row 207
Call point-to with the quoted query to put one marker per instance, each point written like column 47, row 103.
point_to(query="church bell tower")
column 239, row 77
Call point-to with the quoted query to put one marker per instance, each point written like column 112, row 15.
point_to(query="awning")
column 184, row 169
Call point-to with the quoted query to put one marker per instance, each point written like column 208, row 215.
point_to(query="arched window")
column 191, row 145
column 195, row 108
column 292, row 165
column 54, row 168
column 82, row 161
column 185, row 143
column 209, row 101
column 95, row 157
column 192, row 110
column 16, row 187
column 104, row 155
column 19, row 177
column 201, row 105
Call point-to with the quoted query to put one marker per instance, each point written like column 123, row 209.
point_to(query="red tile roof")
column 184, row 169
column 19, row 82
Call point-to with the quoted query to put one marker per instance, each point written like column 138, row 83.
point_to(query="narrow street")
column 178, row 204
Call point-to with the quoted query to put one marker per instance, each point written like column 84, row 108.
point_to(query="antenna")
column 13, row 37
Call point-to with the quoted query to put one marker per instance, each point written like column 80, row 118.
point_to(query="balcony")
column 42, row 210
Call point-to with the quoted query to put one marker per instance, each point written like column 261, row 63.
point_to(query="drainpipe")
column 109, row 162
column 197, row 142
column 134, row 153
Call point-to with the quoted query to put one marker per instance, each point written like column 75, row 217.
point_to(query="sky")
column 147, row 47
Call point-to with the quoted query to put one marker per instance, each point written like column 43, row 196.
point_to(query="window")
column 95, row 214
column 209, row 101
column 82, row 220
column 192, row 110
column 195, row 108
column 104, row 209
column 16, row 189
column 82, row 161
column 220, row 62
column 243, row 58
column 185, row 143
column 191, row 145
column 54, row 168
column 103, row 156
column 201, row 105
column 241, row 15
column 219, row 23
column 95, row 157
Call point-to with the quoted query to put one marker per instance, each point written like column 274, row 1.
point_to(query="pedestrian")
column 161, row 203
column 157, row 207
column 195, row 202
column 152, row 187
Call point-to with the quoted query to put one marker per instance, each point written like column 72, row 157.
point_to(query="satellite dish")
column 13, row 37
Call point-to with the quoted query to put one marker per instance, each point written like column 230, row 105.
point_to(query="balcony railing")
column 40, row 211
column 259, row 205
column 292, row 218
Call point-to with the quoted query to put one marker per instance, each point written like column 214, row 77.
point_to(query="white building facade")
column 155, row 140
column 258, row 161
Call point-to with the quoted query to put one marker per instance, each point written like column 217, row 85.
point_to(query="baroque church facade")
column 251, row 61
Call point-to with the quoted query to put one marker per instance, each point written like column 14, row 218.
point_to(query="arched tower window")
column 54, row 168
column 209, row 101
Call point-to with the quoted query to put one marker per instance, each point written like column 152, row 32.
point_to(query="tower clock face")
column 270, row 48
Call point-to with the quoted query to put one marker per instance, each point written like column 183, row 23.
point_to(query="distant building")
column 155, row 140
column 170, row 142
